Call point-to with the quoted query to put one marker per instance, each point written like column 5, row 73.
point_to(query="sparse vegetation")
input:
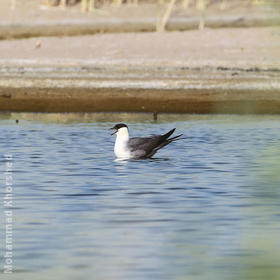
column 89, row 5
column 165, row 8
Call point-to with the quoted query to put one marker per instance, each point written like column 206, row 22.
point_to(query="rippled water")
column 206, row 207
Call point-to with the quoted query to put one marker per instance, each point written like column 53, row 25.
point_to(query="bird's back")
column 148, row 146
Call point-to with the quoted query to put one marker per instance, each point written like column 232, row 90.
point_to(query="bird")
column 139, row 147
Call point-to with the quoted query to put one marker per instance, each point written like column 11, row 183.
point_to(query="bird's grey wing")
column 141, row 147
column 147, row 147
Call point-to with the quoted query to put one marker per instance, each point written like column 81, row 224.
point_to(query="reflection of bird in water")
column 139, row 147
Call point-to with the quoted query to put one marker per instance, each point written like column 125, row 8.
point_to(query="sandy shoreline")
column 209, row 71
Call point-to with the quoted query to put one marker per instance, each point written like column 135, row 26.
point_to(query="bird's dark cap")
column 118, row 126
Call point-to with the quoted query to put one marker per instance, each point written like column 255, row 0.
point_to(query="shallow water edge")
column 111, row 117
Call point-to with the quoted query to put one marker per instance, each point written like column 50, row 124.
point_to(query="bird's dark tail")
column 175, row 138
column 164, row 140
column 165, row 136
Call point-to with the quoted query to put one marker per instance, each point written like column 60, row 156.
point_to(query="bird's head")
column 120, row 129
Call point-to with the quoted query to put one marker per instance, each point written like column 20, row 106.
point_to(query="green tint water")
column 207, row 207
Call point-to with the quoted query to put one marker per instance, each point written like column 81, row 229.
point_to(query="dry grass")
column 165, row 8
column 199, row 4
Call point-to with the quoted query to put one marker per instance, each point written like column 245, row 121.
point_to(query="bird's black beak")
column 114, row 131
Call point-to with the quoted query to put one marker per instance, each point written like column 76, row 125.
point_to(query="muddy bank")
column 117, row 100
column 209, row 71
column 176, row 90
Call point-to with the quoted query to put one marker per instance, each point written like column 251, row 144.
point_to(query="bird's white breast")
column 121, row 148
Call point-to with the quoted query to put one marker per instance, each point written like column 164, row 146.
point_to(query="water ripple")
column 206, row 207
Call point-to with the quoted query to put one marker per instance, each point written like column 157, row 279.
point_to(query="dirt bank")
column 209, row 71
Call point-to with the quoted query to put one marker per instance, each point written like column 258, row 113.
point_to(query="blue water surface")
column 206, row 207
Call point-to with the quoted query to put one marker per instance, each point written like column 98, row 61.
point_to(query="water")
column 206, row 207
